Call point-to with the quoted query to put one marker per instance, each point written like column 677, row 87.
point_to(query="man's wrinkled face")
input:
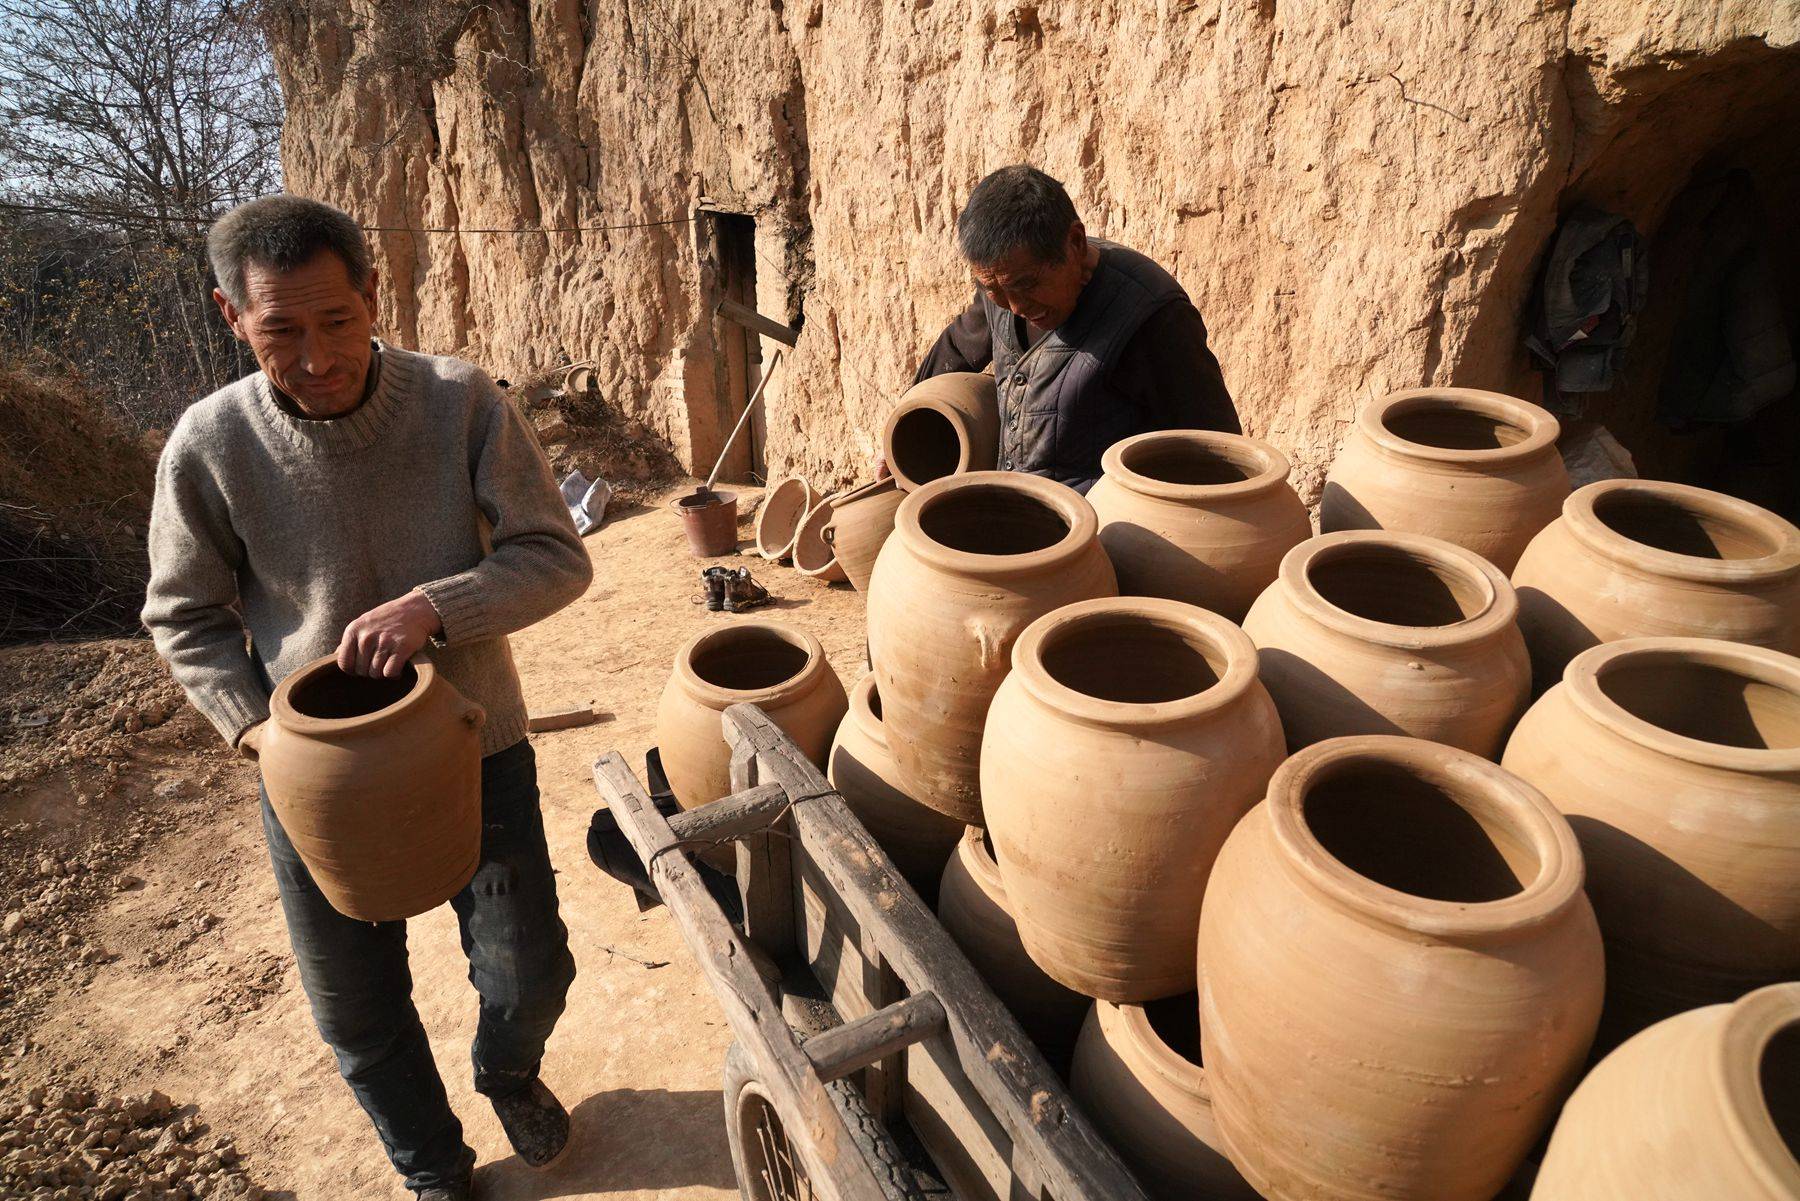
column 1044, row 293
column 309, row 329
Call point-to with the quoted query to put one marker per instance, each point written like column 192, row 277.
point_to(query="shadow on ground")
column 626, row 1140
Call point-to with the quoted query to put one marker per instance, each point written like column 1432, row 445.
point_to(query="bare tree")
column 126, row 127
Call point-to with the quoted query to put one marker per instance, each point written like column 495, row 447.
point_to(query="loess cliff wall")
column 1357, row 194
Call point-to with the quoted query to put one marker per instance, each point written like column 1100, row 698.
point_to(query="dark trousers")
column 357, row 979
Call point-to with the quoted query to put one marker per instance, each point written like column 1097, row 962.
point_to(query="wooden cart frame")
column 851, row 1007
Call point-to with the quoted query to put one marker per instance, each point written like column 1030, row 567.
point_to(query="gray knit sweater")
column 289, row 529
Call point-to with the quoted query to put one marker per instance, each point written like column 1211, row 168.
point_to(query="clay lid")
column 1475, row 587
column 1717, row 731
column 1508, row 809
column 1648, row 524
column 1195, row 465
column 1008, row 488
column 1749, row 1027
column 1398, row 423
column 778, row 676
column 1224, row 659
column 333, row 688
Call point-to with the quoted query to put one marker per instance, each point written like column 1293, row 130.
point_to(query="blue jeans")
column 356, row 977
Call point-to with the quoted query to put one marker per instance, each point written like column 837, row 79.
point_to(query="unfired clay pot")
column 1138, row 1075
column 1677, row 761
column 783, row 508
column 974, row 559
column 765, row 663
column 1643, row 558
column 1372, row 632
column 1400, row 975
column 1475, row 468
column 813, row 555
column 972, row 905
column 860, row 523
column 946, row 425
column 919, row 840
column 378, row 785
column 1701, row 1106
column 1197, row 516
column 1129, row 739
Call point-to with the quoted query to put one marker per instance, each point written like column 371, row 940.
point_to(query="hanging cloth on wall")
column 1585, row 308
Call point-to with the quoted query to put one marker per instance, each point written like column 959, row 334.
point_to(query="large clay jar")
column 919, row 840
column 1704, row 1105
column 946, row 425
column 1677, row 761
column 779, row 668
column 860, row 523
column 973, row 907
column 1371, row 632
column 1129, row 739
column 974, row 559
column 1475, row 468
column 1644, row 558
column 1197, row 516
column 1138, row 1076
column 378, row 785
column 778, row 521
column 1400, row 975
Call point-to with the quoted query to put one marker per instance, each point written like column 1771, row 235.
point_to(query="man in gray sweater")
column 358, row 499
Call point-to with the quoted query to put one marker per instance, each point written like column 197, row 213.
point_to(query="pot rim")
column 1541, row 427
column 862, row 710
column 1217, row 633
column 1273, row 467
column 983, row 868
column 281, row 703
column 808, row 497
column 863, row 491
column 1500, row 603
column 821, row 513
column 1744, row 1035
column 1483, row 788
column 1133, row 1021
column 716, row 697
column 1583, row 521
column 933, row 400
column 1582, row 677
column 1067, row 503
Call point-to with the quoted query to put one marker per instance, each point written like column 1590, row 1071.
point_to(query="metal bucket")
column 710, row 521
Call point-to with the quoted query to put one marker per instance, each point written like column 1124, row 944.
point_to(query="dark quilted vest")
column 1058, row 413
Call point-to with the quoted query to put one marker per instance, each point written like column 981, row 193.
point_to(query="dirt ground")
column 144, row 948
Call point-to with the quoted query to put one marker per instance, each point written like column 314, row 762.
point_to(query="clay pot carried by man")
column 1400, row 975
column 946, row 425
column 1677, row 761
column 784, row 507
column 973, row 560
column 1644, row 558
column 1478, row 469
column 1139, row 1077
column 777, row 667
column 1373, row 632
column 919, row 840
column 1703, row 1105
column 1197, row 516
column 973, row 907
column 378, row 784
column 1129, row 739
column 860, row 524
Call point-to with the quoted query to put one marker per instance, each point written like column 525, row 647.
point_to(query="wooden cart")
column 871, row 1062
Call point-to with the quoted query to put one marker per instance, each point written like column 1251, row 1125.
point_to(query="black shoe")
column 743, row 593
column 447, row 1192
column 535, row 1122
column 712, row 583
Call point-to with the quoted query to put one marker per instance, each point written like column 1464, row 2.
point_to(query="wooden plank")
column 560, row 717
column 838, row 1052
column 747, row 1001
column 729, row 817
column 881, row 1084
column 1005, row 1069
column 754, row 321
column 765, row 872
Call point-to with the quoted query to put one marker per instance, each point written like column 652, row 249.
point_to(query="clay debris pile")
column 1342, row 901
column 66, row 1142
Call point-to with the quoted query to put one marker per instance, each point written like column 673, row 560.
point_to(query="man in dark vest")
column 1090, row 342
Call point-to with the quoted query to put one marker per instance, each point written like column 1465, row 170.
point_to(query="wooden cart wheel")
column 768, row 1160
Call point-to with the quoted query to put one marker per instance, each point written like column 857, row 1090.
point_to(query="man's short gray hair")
column 1011, row 209
column 282, row 232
